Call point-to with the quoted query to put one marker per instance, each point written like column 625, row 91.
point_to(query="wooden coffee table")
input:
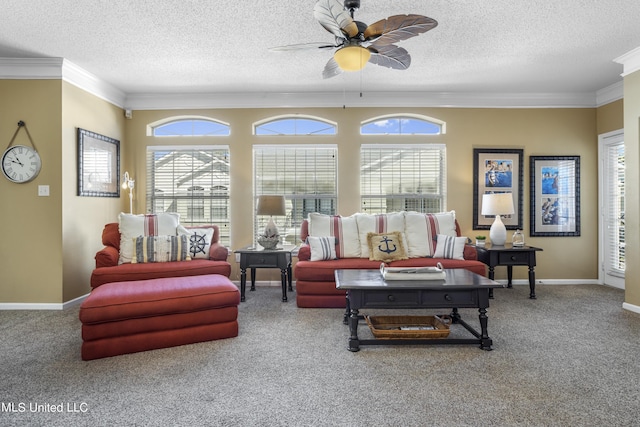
column 460, row 289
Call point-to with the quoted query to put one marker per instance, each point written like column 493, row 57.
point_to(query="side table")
column 257, row 257
column 509, row 256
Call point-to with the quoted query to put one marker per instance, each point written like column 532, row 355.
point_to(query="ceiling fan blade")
column 332, row 69
column 390, row 56
column 335, row 19
column 302, row 46
column 398, row 27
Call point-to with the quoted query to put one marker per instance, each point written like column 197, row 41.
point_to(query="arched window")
column 189, row 126
column 408, row 124
column 295, row 125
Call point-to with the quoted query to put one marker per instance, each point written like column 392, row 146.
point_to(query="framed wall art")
column 98, row 165
column 497, row 170
column 555, row 196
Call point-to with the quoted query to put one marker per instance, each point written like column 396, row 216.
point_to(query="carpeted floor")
column 569, row 358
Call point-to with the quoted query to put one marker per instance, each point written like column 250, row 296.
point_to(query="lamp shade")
column 497, row 204
column 271, row 205
column 352, row 58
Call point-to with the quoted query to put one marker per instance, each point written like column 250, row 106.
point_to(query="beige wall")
column 632, row 195
column 537, row 131
column 49, row 243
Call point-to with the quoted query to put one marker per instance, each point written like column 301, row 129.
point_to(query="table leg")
column 290, row 275
column 354, row 342
column 253, row 279
column 345, row 318
column 283, row 281
column 532, row 282
column 491, row 276
column 509, row 276
column 485, row 341
column 243, row 283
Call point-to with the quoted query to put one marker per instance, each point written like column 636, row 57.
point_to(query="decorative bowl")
column 269, row 242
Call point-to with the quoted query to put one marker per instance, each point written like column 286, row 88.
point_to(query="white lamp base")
column 498, row 232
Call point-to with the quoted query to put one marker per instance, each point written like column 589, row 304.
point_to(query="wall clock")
column 21, row 164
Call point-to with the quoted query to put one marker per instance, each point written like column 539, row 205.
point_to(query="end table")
column 509, row 256
column 257, row 257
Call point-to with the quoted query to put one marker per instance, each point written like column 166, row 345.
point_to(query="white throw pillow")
column 344, row 229
column 160, row 249
column 450, row 247
column 199, row 241
column 322, row 248
column 421, row 230
column 132, row 226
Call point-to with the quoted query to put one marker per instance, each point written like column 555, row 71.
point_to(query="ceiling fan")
column 357, row 43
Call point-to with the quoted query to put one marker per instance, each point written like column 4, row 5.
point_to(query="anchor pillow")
column 386, row 247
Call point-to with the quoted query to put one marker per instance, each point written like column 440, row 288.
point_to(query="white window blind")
column 614, row 165
column 305, row 175
column 192, row 181
column 409, row 177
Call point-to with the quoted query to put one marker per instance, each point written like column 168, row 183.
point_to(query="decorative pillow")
column 377, row 223
column 386, row 247
column 344, row 229
column 160, row 249
column 132, row 226
column 322, row 248
column 421, row 231
column 450, row 247
column 199, row 241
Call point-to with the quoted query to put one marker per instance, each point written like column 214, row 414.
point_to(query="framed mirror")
column 98, row 165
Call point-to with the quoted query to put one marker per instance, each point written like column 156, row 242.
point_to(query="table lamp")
column 497, row 204
column 270, row 205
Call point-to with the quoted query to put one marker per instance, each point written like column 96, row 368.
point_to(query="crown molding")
column 179, row 101
column 60, row 68
column 630, row 61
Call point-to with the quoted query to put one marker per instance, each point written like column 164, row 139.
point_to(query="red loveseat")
column 107, row 269
column 315, row 280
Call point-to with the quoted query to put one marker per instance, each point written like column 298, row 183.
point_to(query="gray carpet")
column 569, row 358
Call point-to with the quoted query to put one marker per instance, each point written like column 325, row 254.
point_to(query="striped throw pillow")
column 450, row 247
column 322, row 248
column 160, row 249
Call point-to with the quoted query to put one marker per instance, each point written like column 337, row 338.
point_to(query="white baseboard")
column 42, row 306
column 554, row 282
column 631, row 307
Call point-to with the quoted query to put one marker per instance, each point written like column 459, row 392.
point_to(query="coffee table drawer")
column 456, row 299
column 390, row 298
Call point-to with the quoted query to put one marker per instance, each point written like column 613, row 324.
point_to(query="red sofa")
column 315, row 281
column 107, row 269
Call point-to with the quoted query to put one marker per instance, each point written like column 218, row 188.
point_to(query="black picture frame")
column 98, row 165
column 555, row 196
column 498, row 170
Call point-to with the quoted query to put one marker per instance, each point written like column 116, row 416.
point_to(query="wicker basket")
column 409, row 327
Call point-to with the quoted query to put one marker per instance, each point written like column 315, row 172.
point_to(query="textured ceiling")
column 221, row 46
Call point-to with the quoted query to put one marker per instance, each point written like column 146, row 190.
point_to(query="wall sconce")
column 128, row 183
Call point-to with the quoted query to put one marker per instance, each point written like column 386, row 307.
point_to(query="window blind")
column 409, row 177
column 192, row 181
column 305, row 175
column 614, row 165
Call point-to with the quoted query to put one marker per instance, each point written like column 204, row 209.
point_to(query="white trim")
column 353, row 99
column 610, row 94
column 554, row 282
column 630, row 61
column 631, row 307
column 42, row 306
column 60, row 68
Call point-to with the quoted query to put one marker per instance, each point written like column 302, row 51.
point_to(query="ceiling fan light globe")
column 352, row 58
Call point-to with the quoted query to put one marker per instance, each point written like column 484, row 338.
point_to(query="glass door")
column 611, row 219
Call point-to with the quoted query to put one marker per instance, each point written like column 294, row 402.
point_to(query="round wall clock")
column 21, row 164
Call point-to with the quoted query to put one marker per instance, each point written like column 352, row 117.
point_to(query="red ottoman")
column 127, row 317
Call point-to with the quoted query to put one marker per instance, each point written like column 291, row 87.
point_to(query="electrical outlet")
column 237, row 257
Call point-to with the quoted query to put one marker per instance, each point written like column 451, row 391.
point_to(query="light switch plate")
column 43, row 190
